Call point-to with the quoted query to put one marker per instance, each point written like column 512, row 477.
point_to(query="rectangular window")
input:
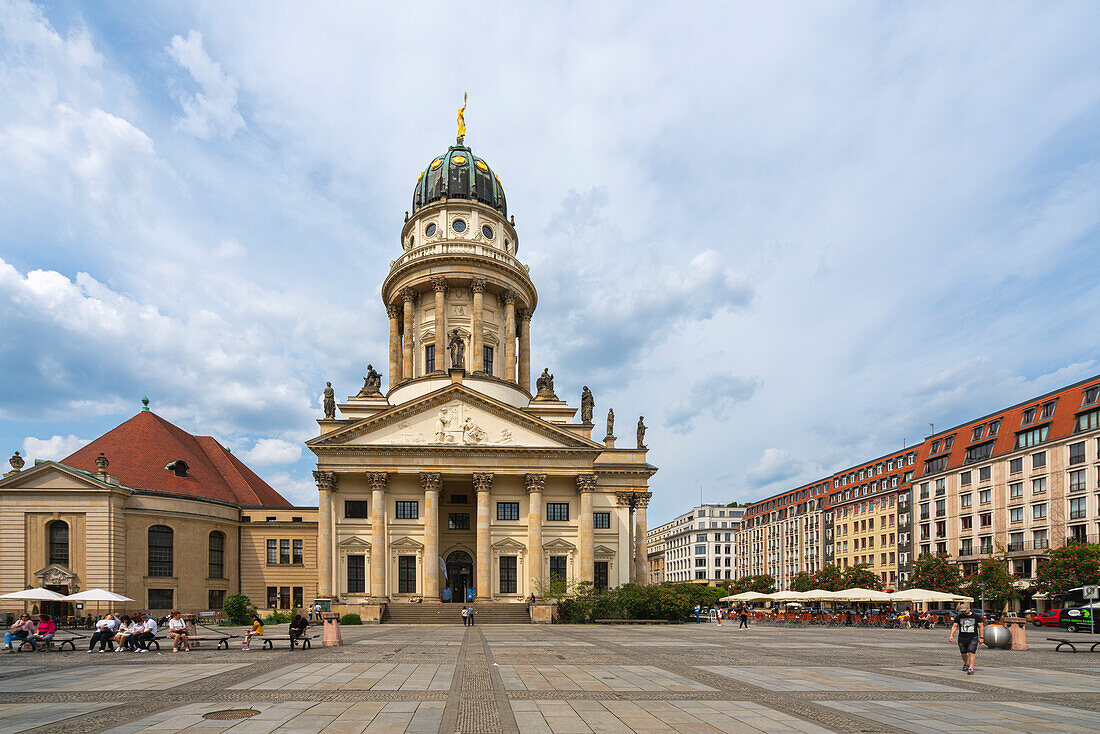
column 1039, row 511
column 1048, row 410
column 1040, row 539
column 985, row 519
column 966, row 547
column 557, row 511
column 355, row 509
column 967, row 523
column 1033, row 437
column 1016, row 514
column 1028, row 416
column 985, row 474
column 700, row 562
column 272, row 551
column 460, row 499
column 160, row 598
column 272, row 597
column 406, row 574
column 297, row 552
column 296, row 594
column 1015, row 490
column 407, row 510
column 507, row 510
column 1077, row 453
column 994, row 426
column 600, row 575
column 284, row 551
column 1077, row 508
column 557, row 568
column 1088, row 421
column 964, row 478
column 1015, row 466
column 508, row 574
column 1038, row 485
column 357, row 576
column 976, row 434
column 985, row 496
column 487, row 360
column 458, row 521
column 602, row 521
column 948, row 442
column 965, row 500
column 429, row 359
column 986, row 546
column 935, row 465
column 1015, row 541
column 215, row 599
column 284, row 597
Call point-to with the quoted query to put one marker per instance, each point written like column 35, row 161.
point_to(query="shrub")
column 278, row 618
column 351, row 619
column 238, row 608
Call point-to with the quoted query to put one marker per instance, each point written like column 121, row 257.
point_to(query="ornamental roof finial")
column 462, row 120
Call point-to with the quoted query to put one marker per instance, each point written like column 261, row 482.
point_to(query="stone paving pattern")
column 683, row 678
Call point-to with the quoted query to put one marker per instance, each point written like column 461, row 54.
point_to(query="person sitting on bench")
column 177, row 630
column 46, row 630
column 143, row 634
column 21, row 630
column 297, row 629
column 256, row 631
column 104, row 633
column 126, row 628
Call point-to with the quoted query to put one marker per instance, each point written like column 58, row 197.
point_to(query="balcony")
column 1027, row 546
column 458, row 248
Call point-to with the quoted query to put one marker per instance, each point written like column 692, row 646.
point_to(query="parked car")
column 1047, row 619
column 1080, row 619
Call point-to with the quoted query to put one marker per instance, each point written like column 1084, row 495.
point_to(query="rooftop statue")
column 458, row 351
column 330, row 402
column 641, row 432
column 372, row 383
column 462, row 119
column 587, row 403
column 545, row 385
column 610, row 422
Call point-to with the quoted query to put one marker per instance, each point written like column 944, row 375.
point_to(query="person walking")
column 463, row 616
column 470, row 615
column 971, row 629
column 718, row 615
column 742, row 618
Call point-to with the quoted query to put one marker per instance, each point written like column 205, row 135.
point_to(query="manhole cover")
column 230, row 714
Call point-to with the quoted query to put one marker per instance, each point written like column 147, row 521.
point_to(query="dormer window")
column 994, row 426
column 1028, row 417
column 936, row 446
column 1048, row 410
column 948, row 442
column 1092, row 394
column 977, row 433
column 178, row 468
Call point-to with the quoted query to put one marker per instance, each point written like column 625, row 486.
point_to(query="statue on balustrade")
column 641, row 432
column 545, row 385
column 610, row 422
column 372, row 383
column 330, row 402
column 587, row 404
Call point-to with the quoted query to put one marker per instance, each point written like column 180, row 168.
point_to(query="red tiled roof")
column 140, row 448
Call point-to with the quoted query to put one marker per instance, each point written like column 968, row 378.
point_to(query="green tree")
column 763, row 584
column 828, row 578
column 992, row 582
column 935, row 573
column 1072, row 565
column 802, row 581
column 862, row 577
column 238, row 608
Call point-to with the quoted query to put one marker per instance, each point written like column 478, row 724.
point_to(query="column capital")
column 439, row 283
column 641, row 499
column 508, row 297
column 407, row 294
column 534, row 482
column 523, row 314
column 483, row 482
column 586, row 483
column 431, row 480
column 326, row 480
column 477, row 285
column 394, row 312
column 377, row 480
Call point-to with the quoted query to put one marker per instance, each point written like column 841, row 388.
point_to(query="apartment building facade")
column 698, row 546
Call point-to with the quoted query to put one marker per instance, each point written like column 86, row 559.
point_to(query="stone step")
column 485, row 613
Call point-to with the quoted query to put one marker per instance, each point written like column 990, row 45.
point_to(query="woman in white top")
column 125, row 629
column 177, row 630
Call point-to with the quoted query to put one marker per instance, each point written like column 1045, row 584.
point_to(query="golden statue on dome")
column 462, row 119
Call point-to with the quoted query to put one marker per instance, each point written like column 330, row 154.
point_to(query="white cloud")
column 53, row 448
column 299, row 490
column 774, row 465
column 267, row 451
column 213, row 110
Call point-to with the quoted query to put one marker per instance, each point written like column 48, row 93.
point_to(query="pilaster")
column 586, row 485
column 326, row 486
column 483, row 485
column 432, row 482
column 379, row 551
column 535, row 484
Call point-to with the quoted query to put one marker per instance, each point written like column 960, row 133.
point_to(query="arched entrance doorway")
column 460, row 574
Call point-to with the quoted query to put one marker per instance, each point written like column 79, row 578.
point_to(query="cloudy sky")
column 791, row 236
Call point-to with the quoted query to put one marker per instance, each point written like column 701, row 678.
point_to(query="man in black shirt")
column 971, row 629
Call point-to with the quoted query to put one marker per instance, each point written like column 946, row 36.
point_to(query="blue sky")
column 791, row 236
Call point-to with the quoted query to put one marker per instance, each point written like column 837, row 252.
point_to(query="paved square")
column 595, row 678
column 114, row 677
column 1018, row 679
column 299, row 717
column 1008, row 717
column 17, row 717
column 353, row 677
column 697, row 717
column 822, row 678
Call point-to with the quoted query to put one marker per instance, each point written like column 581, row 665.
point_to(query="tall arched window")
column 59, row 542
column 160, row 550
column 216, row 554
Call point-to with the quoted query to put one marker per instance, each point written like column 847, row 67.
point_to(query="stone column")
column 626, row 555
column 477, row 287
column 586, row 484
column 483, row 485
column 525, row 350
column 439, row 285
column 377, row 482
column 407, row 359
column 641, row 500
column 326, row 485
column 535, row 484
column 395, row 344
column 431, row 482
column 509, row 299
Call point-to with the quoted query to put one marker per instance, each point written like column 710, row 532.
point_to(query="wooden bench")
column 632, row 621
column 1064, row 642
column 57, row 643
column 269, row 640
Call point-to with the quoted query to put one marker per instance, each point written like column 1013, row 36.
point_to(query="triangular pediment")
column 558, row 544
column 57, row 574
column 602, row 551
column 509, row 544
column 49, row 475
column 354, row 542
column 406, row 543
column 454, row 417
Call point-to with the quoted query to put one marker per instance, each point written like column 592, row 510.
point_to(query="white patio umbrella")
column 821, row 595
column 748, row 596
column 924, row 595
column 858, row 594
column 97, row 595
column 39, row 594
column 790, row 596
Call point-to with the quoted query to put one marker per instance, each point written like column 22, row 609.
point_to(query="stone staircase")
column 484, row 613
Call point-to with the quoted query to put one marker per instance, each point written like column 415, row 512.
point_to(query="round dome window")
column 481, row 166
column 459, row 225
column 487, row 231
column 459, row 160
column 430, row 230
column 437, row 163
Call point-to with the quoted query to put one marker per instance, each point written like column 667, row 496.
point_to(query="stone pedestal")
column 331, row 636
column 1018, row 627
column 542, row 613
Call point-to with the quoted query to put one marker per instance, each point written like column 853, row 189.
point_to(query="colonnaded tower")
column 457, row 481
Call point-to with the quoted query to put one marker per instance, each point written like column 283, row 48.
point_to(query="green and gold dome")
column 459, row 174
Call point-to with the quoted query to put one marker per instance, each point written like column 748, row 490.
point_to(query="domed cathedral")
column 458, row 482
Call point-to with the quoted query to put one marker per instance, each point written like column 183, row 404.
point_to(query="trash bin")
column 331, row 636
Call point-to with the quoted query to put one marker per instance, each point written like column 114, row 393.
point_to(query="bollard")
column 331, row 637
column 1018, row 627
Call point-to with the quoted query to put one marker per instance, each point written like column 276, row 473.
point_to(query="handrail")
column 451, row 247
